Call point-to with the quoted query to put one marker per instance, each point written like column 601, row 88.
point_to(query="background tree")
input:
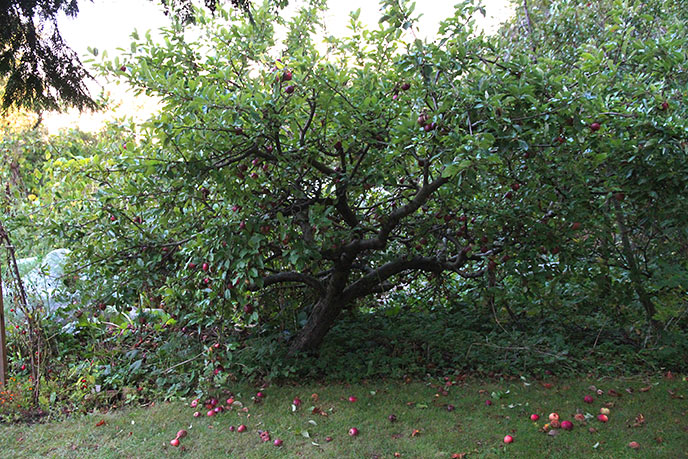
column 42, row 72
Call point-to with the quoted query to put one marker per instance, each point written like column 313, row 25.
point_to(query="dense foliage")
column 502, row 203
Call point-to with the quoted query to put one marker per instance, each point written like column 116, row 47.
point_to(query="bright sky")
column 107, row 25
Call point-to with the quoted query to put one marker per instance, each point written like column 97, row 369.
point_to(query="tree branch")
column 291, row 276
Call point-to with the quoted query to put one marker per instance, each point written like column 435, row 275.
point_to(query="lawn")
column 651, row 411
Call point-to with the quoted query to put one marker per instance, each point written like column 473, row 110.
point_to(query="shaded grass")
column 473, row 427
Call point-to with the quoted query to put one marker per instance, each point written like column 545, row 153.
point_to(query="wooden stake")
column 3, row 343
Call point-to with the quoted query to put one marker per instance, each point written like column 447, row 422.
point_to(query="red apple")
column 566, row 425
column 232, row 428
column 174, row 442
column 407, row 86
column 194, row 403
column 241, row 428
column 248, row 309
column 230, row 400
column 392, row 418
column 296, row 402
column 213, row 401
column 352, row 399
column 595, row 127
column 328, row 439
column 602, row 417
column 588, row 399
column 450, row 407
column 196, row 414
column 205, row 267
column 290, row 89
column 353, row 431
column 488, row 402
column 260, row 395
column 665, row 105
column 278, row 442
column 534, row 417
column 287, row 75
column 182, row 433
column 553, row 417
column 210, row 413
column 575, row 226
column 635, row 444
column 515, row 186
column 508, row 439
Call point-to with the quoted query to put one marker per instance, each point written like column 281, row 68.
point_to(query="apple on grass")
column 508, row 439
column 278, row 442
column 602, row 417
column 588, row 399
column 566, row 425
column 353, row 431
column 174, row 442
column 534, row 417
column 241, row 428
column 352, row 399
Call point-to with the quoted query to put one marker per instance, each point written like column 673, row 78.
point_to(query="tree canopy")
column 284, row 183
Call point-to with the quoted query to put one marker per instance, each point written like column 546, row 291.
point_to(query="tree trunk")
column 319, row 323
column 635, row 274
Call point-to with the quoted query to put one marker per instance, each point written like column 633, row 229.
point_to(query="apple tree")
column 298, row 178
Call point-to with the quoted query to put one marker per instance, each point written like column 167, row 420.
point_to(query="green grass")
column 473, row 427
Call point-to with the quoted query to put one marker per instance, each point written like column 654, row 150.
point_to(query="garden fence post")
column 3, row 348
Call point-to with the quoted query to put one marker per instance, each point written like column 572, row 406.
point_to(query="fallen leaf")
column 553, row 433
column 645, row 389
column 415, row 433
column 397, row 436
column 458, row 455
column 100, row 423
column 669, row 375
column 629, row 390
column 639, row 421
column 613, row 393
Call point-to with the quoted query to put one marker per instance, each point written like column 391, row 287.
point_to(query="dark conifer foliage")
column 40, row 71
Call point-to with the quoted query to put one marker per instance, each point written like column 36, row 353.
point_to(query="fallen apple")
column 392, row 418
column 353, row 431
column 508, row 439
column 579, row 417
column 278, row 442
column 182, row 433
column 634, row 445
column 194, row 403
column 604, row 411
column 602, row 417
column 555, row 424
column 230, row 400
column 534, row 417
column 450, row 407
column 174, row 442
column 241, row 428
column 211, row 413
column 488, row 402
column 260, row 395
column 196, row 414
column 232, row 428
column 566, row 425
column 352, row 399
column 553, row 417
column 296, row 402
column 588, row 399
column 328, row 439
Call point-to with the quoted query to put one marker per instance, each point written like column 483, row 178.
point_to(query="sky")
column 108, row 24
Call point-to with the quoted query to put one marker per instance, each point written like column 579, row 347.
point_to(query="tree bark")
column 320, row 321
